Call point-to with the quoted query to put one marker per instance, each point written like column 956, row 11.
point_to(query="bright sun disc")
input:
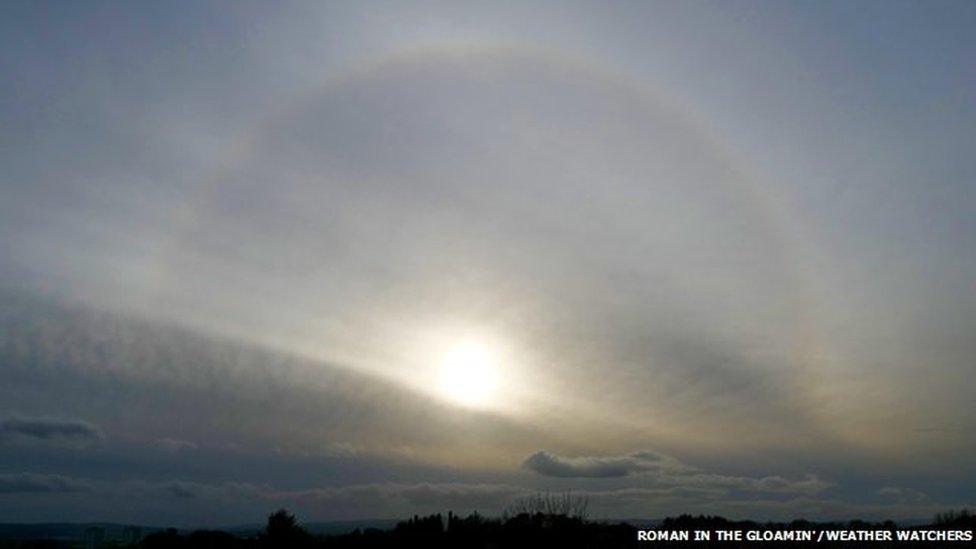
column 468, row 374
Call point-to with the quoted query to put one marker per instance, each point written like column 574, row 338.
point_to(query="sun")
column 469, row 374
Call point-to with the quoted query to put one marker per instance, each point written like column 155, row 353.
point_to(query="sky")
column 365, row 260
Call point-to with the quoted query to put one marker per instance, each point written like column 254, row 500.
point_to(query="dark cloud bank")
column 48, row 429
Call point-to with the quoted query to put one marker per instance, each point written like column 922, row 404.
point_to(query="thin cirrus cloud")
column 240, row 263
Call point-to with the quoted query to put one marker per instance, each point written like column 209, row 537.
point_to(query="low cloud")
column 174, row 445
column 551, row 465
column 665, row 471
column 32, row 483
column 182, row 490
column 419, row 495
column 771, row 500
column 48, row 429
column 398, row 500
column 903, row 495
column 809, row 485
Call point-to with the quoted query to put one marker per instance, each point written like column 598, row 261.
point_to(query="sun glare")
column 469, row 374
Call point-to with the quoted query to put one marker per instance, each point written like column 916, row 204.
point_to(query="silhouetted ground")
column 522, row 530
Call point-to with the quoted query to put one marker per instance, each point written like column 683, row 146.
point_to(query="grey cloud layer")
column 138, row 365
column 48, row 429
column 229, row 394
column 551, row 465
column 31, row 483
column 668, row 472
column 391, row 499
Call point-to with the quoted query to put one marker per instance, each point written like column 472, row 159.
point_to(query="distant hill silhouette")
column 514, row 530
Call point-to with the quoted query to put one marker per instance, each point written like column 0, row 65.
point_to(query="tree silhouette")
column 565, row 504
column 283, row 531
column 542, row 520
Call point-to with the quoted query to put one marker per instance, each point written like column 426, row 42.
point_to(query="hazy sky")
column 716, row 257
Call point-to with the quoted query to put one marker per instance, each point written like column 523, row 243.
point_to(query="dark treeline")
column 523, row 529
